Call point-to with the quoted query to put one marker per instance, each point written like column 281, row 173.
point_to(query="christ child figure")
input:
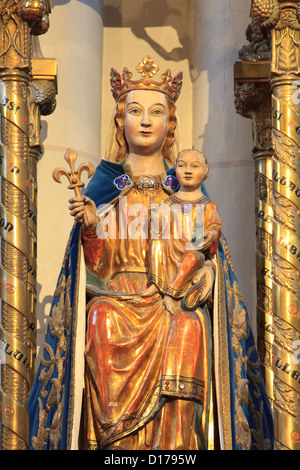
column 188, row 234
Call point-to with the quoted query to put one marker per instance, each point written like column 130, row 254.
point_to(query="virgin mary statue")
column 118, row 371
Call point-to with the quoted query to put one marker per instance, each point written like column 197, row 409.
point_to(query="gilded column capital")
column 41, row 97
column 248, row 97
column 18, row 21
column 41, row 101
column 36, row 14
column 267, row 12
column 282, row 19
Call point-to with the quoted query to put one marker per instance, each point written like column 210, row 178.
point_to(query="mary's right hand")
column 83, row 205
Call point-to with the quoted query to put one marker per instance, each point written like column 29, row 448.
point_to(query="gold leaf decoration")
column 285, row 275
column 287, row 55
column 285, row 212
column 286, row 151
column 286, row 398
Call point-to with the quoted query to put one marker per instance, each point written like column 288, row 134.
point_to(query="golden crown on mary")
column 147, row 68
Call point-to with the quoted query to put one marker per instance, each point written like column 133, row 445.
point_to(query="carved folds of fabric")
column 59, row 327
column 245, row 436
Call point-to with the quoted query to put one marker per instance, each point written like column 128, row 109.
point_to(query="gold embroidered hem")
column 164, row 431
column 183, row 387
column 223, row 387
column 167, row 289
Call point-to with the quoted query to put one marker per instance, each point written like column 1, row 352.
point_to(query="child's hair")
column 192, row 151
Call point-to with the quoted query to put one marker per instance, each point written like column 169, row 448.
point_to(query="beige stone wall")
column 75, row 40
column 161, row 29
column 201, row 38
column 223, row 135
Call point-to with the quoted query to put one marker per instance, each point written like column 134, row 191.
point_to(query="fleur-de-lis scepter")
column 74, row 176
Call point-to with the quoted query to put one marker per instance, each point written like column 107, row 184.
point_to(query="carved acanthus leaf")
column 286, row 398
column 286, row 151
column 286, row 275
column 287, row 54
column 284, row 334
column 285, row 212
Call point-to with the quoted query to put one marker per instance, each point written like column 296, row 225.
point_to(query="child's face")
column 191, row 170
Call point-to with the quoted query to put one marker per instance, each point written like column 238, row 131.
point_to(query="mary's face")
column 146, row 121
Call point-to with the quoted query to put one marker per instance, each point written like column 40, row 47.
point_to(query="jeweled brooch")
column 171, row 182
column 122, row 182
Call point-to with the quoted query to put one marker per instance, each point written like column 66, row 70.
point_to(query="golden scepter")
column 74, row 176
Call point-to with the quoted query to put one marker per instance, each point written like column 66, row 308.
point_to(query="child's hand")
column 209, row 239
column 152, row 290
column 171, row 305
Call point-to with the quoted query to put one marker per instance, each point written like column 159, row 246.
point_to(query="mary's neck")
column 146, row 164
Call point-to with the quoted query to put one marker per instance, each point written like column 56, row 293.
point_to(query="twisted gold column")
column 278, row 181
column 14, row 233
column 262, row 156
column 285, row 71
column 18, row 19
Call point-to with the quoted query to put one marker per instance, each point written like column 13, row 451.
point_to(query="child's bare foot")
column 171, row 305
column 150, row 291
